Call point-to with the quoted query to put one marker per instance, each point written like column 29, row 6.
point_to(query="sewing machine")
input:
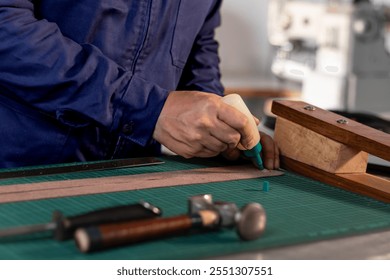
column 337, row 50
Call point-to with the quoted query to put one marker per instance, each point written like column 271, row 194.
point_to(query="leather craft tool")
column 90, row 166
column 249, row 221
column 64, row 227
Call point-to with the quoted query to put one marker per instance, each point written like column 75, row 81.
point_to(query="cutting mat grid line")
column 299, row 210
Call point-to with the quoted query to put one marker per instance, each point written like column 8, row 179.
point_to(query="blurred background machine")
column 339, row 51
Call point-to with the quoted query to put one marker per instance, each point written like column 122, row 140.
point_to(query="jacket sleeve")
column 202, row 68
column 74, row 83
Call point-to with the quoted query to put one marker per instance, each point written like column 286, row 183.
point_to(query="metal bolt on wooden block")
column 309, row 108
column 342, row 121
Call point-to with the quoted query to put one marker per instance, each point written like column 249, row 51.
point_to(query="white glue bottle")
column 236, row 101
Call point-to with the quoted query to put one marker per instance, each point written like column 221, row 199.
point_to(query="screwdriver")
column 63, row 227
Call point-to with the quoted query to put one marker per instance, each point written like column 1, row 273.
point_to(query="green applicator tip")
column 255, row 153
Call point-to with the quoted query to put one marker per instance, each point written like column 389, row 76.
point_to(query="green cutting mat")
column 298, row 210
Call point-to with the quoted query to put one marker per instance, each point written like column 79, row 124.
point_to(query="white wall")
column 244, row 49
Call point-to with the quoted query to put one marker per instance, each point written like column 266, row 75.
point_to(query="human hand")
column 199, row 124
column 269, row 153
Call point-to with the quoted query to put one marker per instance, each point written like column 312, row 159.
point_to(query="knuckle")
column 249, row 141
column 188, row 154
column 207, row 154
column 211, row 104
column 222, row 147
column 242, row 123
column 233, row 140
column 203, row 122
column 195, row 137
column 195, row 149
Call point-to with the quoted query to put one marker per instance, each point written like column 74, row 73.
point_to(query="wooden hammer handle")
column 111, row 235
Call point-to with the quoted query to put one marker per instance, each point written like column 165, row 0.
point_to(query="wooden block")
column 330, row 148
column 306, row 146
column 351, row 133
column 361, row 183
column 262, row 92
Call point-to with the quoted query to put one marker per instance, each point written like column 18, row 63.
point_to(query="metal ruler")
column 91, row 166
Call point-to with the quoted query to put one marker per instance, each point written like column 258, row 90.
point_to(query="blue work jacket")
column 87, row 79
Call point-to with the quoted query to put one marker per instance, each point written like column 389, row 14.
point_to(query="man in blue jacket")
column 97, row 79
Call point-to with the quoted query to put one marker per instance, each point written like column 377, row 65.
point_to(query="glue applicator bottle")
column 236, row 101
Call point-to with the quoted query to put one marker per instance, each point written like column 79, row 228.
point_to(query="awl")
column 63, row 227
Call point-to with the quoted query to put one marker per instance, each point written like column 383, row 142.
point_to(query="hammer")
column 249, row 222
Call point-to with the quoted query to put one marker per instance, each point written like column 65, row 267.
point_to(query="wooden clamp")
column 330, row 148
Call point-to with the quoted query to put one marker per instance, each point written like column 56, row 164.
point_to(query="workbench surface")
column 302, row 214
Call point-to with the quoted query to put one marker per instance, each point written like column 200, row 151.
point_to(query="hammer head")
column 226, row 210
column 250, row 220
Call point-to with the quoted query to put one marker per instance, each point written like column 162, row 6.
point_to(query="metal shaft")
column 89, row 166
column 30, row 229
